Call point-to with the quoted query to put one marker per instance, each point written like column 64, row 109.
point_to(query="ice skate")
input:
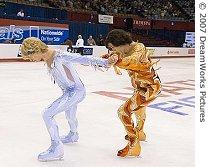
column 132, row 151
column 53, row 153
column 70, row 138
column 123, row 152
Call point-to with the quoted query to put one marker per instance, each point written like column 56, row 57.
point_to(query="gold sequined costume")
column 146, row 85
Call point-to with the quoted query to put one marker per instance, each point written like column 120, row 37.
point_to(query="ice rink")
column 26, row 89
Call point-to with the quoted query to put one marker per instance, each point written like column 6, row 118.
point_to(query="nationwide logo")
column 50, row 32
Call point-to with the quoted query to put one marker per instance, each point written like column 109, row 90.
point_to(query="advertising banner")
column 171, row 52
column 49, row 35
column 143, row 24
column 105, row 19
column 190, row 38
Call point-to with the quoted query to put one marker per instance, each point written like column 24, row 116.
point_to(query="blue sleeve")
column 84, row 60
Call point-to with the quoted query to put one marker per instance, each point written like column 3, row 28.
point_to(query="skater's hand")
column 113, row 59
column 106, row 56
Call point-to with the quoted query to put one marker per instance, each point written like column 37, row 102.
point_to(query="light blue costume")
column 73, row 92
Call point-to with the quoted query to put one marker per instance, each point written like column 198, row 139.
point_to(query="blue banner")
column 49, row 35
column 88, row 51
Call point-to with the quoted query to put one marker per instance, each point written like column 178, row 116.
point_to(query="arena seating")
column 58, row 11
column 152, row 9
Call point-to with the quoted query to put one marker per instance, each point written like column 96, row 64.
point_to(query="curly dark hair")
column 118, row 37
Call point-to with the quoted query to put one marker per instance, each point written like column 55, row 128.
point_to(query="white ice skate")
column 70, row 138
column 54, row 152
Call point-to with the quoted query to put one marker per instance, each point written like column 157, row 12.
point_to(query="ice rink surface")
column 26, row 89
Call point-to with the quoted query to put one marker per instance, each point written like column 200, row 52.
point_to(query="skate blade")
column 70, row 142
column 130, row 156
column 133, row 156
column 53, row 159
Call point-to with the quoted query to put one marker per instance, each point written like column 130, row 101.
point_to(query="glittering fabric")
column 146, row 84
column 68, row 80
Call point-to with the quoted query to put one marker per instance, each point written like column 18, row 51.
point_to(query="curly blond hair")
column 33, row 45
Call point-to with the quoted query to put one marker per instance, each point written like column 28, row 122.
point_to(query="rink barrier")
column 9, row 52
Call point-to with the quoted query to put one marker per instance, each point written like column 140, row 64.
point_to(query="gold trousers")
column 137, row 105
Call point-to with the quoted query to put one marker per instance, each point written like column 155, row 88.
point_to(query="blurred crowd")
column 156, row 9
column 188, row 7
column 144, row 8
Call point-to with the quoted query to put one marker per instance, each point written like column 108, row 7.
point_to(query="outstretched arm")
column 85, row 60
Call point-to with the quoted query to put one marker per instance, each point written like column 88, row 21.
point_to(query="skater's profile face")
column 110, row 47
column 121, row 48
